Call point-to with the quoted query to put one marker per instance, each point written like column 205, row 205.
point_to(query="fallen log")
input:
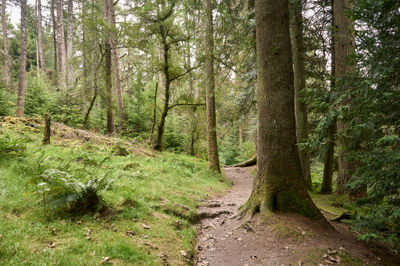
column 250, row 162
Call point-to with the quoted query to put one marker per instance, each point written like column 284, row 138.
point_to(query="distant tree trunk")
column 22, row 63
column 213, row 160
column 165, row 82
column 37, row 60
column 61, row 46
column 7, row 76
column 47, row 130
column 299, row 86
column 117, row 79
column 329, row 161
column 279, row 184
column 69, row 46
column 54, row 25
column 39, row 37
column 154, row 111
column 344, row 48
column 107, row 69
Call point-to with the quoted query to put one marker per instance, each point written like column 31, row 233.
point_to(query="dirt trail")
column 223, row 239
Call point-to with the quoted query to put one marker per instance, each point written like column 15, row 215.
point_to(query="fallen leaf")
column 52, row 245
column 145, row 226
column 183, row 253
column 104, row 260
column 130, row 233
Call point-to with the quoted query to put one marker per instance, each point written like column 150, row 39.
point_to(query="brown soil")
column 278, row 239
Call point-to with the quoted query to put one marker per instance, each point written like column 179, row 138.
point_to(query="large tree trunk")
column 7, row 76
column 279, row 184
column 299, row 86
column 107, row 68
column 344, row 48
column 69, row 53
column 62, row 69
column 165, row 83
column 213, row 160
column 39, row 37
column 117, row 79
column 22, row 63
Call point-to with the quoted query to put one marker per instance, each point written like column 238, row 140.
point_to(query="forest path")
column 223, row 239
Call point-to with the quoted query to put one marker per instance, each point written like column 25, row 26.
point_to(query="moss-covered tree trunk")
column 213, row 159
column 299, row 86
column 344, row 48
column 62, row 54
column 279, row 184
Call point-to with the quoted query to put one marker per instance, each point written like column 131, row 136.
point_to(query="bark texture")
column 344, row 38
column 299, row 86
column 40, row 37
column 69, row 44
column 107, row 69
column 213, row 159
column 62, row 69
column 116, row 74
column 7, row 77
column 279, row 185
column 22, row 63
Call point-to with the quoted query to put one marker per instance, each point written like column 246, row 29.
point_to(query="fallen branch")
column 250, row 162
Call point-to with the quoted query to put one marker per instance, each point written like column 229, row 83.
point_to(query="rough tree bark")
column 117, row 79
column 213, row 160
column 344, row 48
column 299, row 85
column 69, row 44
column 62, row 69
column 7, row 76
column 22, row 63
column 39, row 37
column 107, row 68
column 279, row 185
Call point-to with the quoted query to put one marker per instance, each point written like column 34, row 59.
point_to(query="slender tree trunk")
column 167, row 84
column 299, row 86
column 39, row 37
column 329, row 162
column 213, row 160
column 7, row 76
column 107, row 69
column 344, row 48
column 279, row 184
column 154, row 112
column 22, row 63
column 117, row 79
column 61, row 46
column 330, row 153
column 54, row 25
column 37, row 60
column 69, row 46
column 47, row 129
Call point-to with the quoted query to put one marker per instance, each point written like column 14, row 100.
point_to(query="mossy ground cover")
column 148, row 222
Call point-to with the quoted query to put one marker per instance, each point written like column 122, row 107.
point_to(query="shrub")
column 11, row 145
column 63, row 192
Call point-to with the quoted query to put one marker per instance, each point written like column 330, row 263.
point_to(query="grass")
column 313, row 257
column 160, row 192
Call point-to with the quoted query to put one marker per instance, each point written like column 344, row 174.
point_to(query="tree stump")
column 47, row 131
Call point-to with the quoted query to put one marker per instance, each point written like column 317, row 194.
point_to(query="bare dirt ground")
column 225, row 239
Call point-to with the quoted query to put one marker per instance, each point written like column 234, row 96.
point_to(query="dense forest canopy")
column 185, row 76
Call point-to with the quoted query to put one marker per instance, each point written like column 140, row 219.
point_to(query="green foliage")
column 11, row 145
column 67, row 193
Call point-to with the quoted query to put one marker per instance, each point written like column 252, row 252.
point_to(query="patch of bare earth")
column 225, row 239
